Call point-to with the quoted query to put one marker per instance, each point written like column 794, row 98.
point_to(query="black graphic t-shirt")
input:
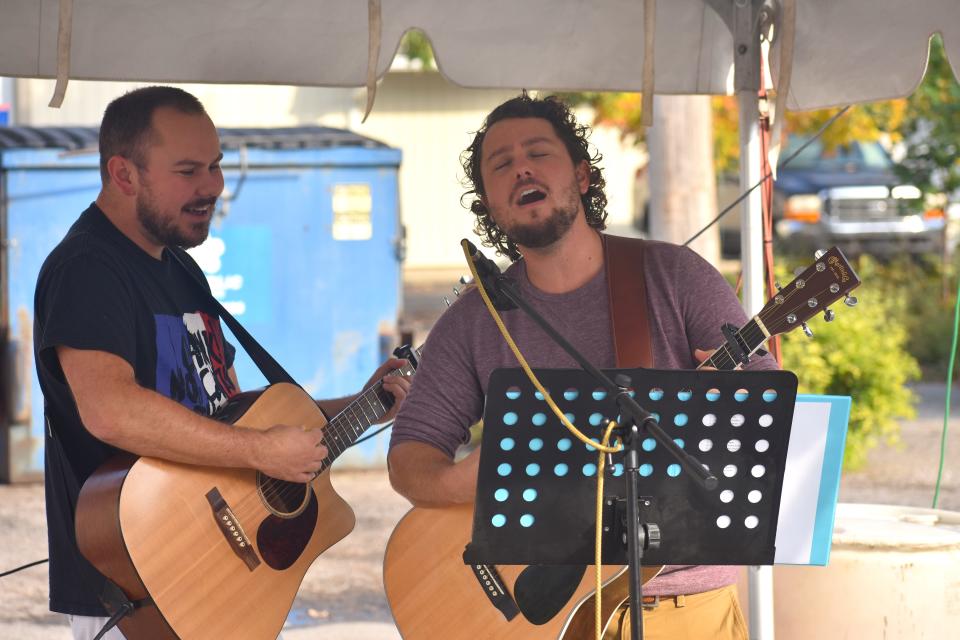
column 98, row 290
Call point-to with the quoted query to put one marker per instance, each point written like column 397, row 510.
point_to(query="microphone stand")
column 636, row 422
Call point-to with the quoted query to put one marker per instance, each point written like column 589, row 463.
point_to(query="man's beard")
column 545, row 232
column 163, row 230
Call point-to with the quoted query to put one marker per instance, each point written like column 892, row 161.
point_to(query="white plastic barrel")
column 894, row 573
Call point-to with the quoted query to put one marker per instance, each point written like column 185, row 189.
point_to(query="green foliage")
column 416, row 46
column 862, row 354
column 623, row 110
column 929, row 291
column 930, row 328
column 932, row 128
column 863, row 122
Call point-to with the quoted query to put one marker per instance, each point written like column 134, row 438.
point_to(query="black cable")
column 26, row 566
column 784, row 163
column 125, row 608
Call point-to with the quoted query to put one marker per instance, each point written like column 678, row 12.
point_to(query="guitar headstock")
column 825, row 281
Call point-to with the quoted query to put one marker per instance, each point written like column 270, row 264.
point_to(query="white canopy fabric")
column 850, row 51
column 846, row 50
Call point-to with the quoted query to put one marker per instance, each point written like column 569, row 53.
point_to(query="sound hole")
column 282, row 498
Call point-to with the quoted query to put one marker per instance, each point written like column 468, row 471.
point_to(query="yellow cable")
column 597, row 559
column 601, row 447
column 523, row 362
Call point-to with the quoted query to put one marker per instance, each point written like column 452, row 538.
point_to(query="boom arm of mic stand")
column 628, row 406
column 646, row 421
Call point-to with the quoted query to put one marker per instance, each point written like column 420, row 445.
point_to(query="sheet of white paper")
column 811, row 480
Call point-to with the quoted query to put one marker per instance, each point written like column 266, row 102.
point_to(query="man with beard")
column 129, row 349
column 538, row 197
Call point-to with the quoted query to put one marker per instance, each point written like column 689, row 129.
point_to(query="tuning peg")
column 850, row 300
column 466, row 279
column 777, row 286
column 806, row 330
column 819, row 253
column 456, row 292
column 446, row 301
column 828, row 315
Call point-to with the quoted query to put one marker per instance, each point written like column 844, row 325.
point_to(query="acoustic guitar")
column 208, row 553
column 433, row 594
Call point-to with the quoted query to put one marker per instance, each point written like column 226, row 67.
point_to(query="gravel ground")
column 905, row 474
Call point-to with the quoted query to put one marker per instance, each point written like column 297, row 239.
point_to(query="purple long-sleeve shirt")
column 688, row 302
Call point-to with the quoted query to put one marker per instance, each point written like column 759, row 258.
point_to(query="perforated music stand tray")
column 536, row 488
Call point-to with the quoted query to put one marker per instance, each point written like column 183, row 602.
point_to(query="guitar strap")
column 627, row 291
column 268, row 366
column 626, row 286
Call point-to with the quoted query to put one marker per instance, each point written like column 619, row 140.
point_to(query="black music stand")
column 537, row 483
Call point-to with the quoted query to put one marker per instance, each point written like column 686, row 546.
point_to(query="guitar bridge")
column 492, row 585
column 230, row 528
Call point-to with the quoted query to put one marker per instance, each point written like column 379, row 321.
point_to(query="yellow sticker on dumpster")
column 352, row 206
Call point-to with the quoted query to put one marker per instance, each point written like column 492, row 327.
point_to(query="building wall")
column 421, row 113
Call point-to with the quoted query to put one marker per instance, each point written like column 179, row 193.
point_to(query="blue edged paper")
column 811, row 481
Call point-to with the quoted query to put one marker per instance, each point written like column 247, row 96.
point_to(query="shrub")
column 861, row 354
column 929, row 290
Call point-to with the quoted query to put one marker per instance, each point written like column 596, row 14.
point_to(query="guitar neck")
column 366, row 410
column 749, row 338
column 825, row 281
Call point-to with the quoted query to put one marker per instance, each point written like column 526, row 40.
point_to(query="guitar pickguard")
column 542, row 591
column 282, row 540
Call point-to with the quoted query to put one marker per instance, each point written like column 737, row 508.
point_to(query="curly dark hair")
column 574, row 137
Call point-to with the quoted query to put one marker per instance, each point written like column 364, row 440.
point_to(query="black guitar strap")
column 270, row 368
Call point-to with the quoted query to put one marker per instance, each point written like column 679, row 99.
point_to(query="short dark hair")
column 574, row 137
column 126, row 126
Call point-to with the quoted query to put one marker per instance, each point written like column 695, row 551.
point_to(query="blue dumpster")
column 305, row 251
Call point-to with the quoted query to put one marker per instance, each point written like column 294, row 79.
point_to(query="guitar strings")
column 284, row 491
column 339, row 426
column 273, row 490
column 344, row 434
column 723, row 359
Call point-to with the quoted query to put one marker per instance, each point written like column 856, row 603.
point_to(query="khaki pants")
column 712, row 615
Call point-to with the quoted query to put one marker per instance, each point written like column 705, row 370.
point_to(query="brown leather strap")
column 626, row 285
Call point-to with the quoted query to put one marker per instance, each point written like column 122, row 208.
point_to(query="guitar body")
column 433, row 594
column 208, row 546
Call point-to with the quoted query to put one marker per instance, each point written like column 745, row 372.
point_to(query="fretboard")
column 366, row 410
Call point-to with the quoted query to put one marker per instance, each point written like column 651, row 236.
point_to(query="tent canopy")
column 846, row 50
